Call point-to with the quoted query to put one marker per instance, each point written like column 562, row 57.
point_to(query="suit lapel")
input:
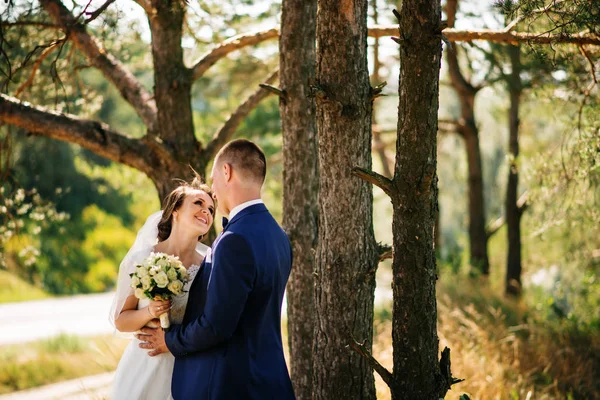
column 206, row 266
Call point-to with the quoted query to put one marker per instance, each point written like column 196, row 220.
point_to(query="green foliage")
column 105, row 245
column 50, row 167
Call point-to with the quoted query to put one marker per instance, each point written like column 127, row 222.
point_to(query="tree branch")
column 495, row 226
column 146, row 5
column 460, row 83
column 386, row 375
column 229, row 45
column 377, row 31
column 455, row 35
column 281, row 93
column 131, row 90
column 450, row 126
column 523, row 202
column 226, row 131
column 386, row 252
column 36, row 66
column 92, row 135
column 445, row 370
column 40, row 24
column 541, row 10
column 374, row 178
column 100, row 10
column 591, row 62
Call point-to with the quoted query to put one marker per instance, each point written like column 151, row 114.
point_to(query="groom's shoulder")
column 256, row 223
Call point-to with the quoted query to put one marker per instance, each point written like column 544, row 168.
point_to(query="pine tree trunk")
column 466, row 93
column 513, row 213
column 415, row 195
column 300, row 180
column 477, row 233
column 346, row 255
column 172, row 79
column 165, row 173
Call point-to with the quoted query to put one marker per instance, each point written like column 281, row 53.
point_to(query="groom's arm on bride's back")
column 231, row 280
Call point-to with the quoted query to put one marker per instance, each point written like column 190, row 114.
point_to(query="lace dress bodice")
column 178, row 303
column 140, row 377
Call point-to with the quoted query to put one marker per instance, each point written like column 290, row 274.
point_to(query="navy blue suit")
column 229, row 344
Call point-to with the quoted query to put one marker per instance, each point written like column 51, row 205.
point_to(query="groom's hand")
column 153, row 339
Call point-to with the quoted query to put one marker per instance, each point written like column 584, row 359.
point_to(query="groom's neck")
column 243, row 196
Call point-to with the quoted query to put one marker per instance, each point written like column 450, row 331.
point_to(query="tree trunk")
column 513, row 212
column 466, row 93
column 165, row 175
column 300, row 180
column 346, row 256
column 172, row 79
column 415, row 196
column 477, row 233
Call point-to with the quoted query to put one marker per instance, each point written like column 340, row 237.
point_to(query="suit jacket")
column 229, row 344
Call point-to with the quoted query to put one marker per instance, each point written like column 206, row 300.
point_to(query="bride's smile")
column 196, row 213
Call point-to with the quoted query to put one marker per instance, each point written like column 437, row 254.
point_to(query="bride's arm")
column 131, row 319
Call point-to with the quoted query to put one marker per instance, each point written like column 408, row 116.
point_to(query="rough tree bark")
column 347, row 255
column 468, row 129
column 513, row 211
column 300, row 180
column 417, row 373
column 416, row 367
column 169, row 145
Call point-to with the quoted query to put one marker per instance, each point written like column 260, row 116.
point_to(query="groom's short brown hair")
column 245, row 157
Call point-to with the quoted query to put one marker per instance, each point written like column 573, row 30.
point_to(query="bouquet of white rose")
column 159, row 277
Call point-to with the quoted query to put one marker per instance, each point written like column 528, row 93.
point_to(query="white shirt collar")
column 240, row 207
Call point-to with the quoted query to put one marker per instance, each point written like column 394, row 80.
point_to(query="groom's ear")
column 227, row 172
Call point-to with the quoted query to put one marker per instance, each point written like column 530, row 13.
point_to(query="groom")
column 229, row 344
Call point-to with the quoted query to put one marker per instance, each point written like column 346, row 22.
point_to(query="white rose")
column 135, row 281
column 154, row 270
column 172, row 274
column 184, row 274
column 141, row 271
column 162, row 263
column 139, row 293
column 161, row 279
column 175, row 287
column 146, row 282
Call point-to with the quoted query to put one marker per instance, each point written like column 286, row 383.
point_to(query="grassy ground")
column 14, row 289
column 53, row 360
column 503, row 350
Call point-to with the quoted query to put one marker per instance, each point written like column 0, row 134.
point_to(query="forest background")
column 69, row 216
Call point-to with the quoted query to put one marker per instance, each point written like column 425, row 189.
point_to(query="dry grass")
column 503, row 352
column 15, row 289
column 57, row 359
column 498, row 346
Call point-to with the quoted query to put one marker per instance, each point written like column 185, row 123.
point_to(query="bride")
column 187, row 216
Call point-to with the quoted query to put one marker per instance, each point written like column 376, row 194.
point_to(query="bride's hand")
column 158, row 307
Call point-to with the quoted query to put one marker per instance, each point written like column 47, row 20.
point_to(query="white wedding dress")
column 141, row 377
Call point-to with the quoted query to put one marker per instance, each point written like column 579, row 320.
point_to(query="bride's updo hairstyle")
column 174, row 200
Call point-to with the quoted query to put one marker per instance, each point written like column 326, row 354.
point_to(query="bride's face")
column 196, row 213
